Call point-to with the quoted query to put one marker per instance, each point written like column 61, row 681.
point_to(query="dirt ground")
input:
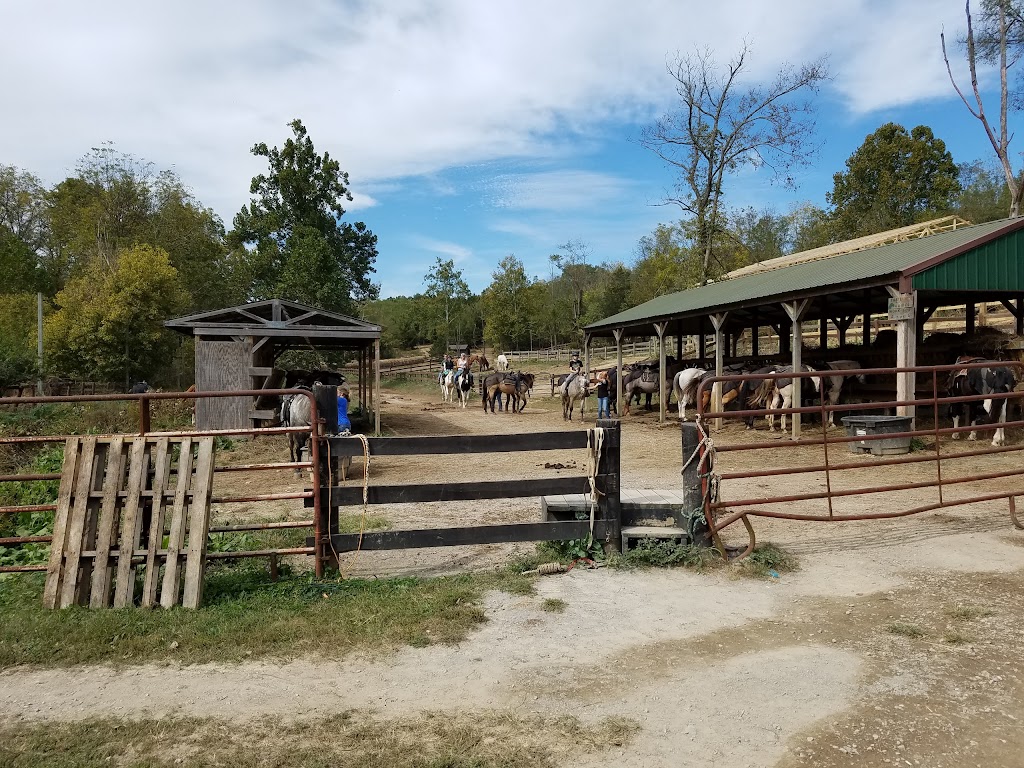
column 898, row 642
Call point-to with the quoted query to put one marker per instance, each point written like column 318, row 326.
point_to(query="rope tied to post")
column 705, row 469
column 595, row 444
column 366, row 502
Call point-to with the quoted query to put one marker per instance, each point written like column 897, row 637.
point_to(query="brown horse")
column 480, row 360
column 518, row 385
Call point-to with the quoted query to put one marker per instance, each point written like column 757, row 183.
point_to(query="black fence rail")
column 603, row 483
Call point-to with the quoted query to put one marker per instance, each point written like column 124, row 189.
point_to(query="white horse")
column 782, row 394
column 447, row 379
column 572, row 390
column 684, row 387
column 502, row 362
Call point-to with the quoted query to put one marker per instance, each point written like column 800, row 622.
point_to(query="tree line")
column 117, row 248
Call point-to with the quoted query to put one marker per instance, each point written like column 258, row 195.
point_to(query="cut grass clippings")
column 431, row 740
column 246, row 616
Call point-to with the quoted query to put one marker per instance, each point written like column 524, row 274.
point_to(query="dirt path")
column 897, row 643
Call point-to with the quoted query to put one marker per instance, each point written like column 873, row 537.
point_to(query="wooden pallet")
column 125, row 503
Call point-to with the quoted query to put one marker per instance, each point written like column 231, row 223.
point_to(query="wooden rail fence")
column 606, row 525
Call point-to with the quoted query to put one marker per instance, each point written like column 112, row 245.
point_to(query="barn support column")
column 617, row 333
column 679, row 340
column 795, row 310
column 903, row 309
column 660, row 329
column 702, row 343
column 1014, row 308
column 823, row 334
column 718, row 321
column 375, row 396
column 1019, row 314
column 755, row 334
column 586, row 355
column 842, row 326
column 969, row 318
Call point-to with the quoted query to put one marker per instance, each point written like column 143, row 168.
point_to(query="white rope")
column 595, row 444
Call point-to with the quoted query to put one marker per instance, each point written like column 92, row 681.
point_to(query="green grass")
column 246, row 616
column 653, row 554
column 967, row 613
column 955, row 637
column 768, row 561
column 904, row 629
column 554, row 605
column 431, row 740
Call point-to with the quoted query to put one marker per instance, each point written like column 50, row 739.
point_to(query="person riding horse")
column 575, row 366
column 446, row 365
column 462, row 368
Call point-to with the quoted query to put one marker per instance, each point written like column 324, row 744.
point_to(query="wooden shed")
column 237, row 348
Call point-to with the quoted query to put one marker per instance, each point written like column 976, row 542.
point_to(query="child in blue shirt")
column 344, row 425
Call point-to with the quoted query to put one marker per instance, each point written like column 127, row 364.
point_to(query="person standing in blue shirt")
column 344, row 425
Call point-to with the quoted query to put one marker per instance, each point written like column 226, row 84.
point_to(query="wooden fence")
column 607, row 521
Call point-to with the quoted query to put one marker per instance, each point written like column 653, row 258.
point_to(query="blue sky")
column 470, row 129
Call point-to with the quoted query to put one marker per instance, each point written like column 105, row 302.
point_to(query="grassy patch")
column 432, row 740
column 904, row 629
column 955, row 637
column 967, row 613
column 554, row 605
column 654, row 553
column 768, row 561
column 248, row 616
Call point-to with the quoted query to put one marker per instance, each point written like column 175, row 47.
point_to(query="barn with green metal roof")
column 902, row 275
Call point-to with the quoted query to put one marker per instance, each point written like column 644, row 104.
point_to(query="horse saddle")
column 964, row 360
column 648, row 376
column 510, row 378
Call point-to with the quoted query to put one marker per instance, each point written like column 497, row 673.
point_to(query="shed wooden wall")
column 223, row 366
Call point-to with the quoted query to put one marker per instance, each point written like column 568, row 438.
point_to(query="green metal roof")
column 983, row 256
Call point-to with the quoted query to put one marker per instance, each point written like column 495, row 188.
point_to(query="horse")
column 780, row 392
column 295, row 412
column 515, row 385
column 480, row 360
column 993, row 380
column 447, row 380
column 502, row 362
column 684, row 386
column 833, row 386
column 648, row 380
column 464, row 386
column 572, row 390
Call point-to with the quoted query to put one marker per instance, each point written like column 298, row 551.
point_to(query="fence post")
column 692, row 516
column 608, row 468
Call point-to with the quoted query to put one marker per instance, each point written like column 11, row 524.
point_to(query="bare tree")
column 998, row 40
column 723, row 126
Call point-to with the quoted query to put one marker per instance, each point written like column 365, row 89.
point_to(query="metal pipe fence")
column 769, row 502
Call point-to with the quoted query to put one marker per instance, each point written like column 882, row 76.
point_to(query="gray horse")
column 576, row 388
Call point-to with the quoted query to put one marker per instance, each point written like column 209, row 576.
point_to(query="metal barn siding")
column 997, row 265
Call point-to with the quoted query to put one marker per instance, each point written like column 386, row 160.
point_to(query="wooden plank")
column 107, row 524
column 92, row 513
column 199, row 528
column 176, row 538
column 54, row 571
column 76, row 523
column 131, row 524
column 475, row 534
column 161, row 473
column 459, row 444
column 492, row 489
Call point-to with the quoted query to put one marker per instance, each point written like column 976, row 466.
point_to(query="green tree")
column 999, row 40
column 446, row 295
column 109, row 321
column 24, row 229
column 577, row 277
column 17, row 338
column 662, row 265
column 812, row 227
column 722, row 128
column 762, row 235
column 893, row 179
column 611, row 295
column 985, row 196
column 507, row 306
column 300, row 248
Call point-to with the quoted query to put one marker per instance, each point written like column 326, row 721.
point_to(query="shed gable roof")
column 271, row 317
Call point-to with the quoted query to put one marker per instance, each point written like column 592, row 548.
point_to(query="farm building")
column 903, row 275
column 237, row 348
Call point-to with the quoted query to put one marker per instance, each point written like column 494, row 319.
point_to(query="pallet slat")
column 131, row 529
column 155, row 535
column 76, row 523
column 54, row 569
column 176, row 538
column 199, row 528
column 107, row 525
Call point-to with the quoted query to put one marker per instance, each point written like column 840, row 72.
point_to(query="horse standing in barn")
column 833, row 386
column 684, row 387
column 983, row 382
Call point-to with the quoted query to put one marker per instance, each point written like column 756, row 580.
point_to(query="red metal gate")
column 720, row 513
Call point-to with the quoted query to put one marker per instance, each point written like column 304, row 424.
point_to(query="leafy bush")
column 28, row 493
column 655, row 553
column 768, row 561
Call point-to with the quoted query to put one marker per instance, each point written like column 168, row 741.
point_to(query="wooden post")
column 375, row 397
column 969, row 318
column 617, row 333
column 690, row 516
column 1019, row 326
column 326, row 397
column 718, row 321
column 702, row 343
column 144, row 417
column 795, row 310
column 660, row 328
column 608, row 469
column 586, row 356
column 906, row 352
